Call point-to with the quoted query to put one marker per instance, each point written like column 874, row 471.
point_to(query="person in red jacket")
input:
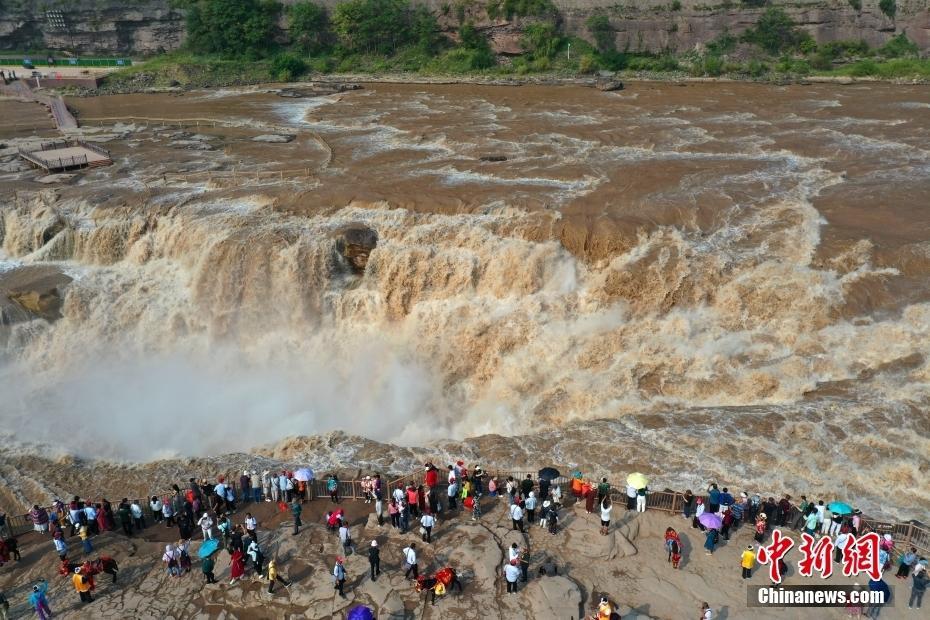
column 432, row 476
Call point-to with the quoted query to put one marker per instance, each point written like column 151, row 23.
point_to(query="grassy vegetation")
column 398, row 36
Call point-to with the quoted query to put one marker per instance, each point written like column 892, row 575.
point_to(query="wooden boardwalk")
column 55, row 104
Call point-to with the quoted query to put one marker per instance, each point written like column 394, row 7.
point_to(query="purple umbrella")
column 360, row 612
column 710, row 520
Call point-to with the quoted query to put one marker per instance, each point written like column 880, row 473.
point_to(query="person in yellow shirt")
column 747, row 561
column 82, row 586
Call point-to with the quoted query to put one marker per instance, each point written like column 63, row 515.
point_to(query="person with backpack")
column 918, row 587
column 339, row 577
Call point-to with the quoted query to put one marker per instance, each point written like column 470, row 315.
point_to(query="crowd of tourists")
column 214, row 511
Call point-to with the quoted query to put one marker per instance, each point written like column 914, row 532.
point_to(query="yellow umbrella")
column 637, row 480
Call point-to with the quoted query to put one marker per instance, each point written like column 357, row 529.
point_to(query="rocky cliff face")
column 130, row 27
column 142, row 27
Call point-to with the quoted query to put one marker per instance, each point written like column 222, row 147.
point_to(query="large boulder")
column 354, row 242
column 30, row 292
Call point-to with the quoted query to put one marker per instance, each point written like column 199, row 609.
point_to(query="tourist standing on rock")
column 379, row 509
column 236, row 566
column 413, row 501
column 641, row 499
column 207, row 566
column 171, row 559
column 61, row 547
column 394, row 512
column 345, row 537
column 332, row 485
column 185, row 526
column 713, row 498
column 530, row 506
column 206, row 525
column 125, row 517
column 75, row 514
column 267, row 486
column 275, row 487
column 524, row 564
column 710, row 541
column 606, row 507
column 138, row 517
column 82, row 586
column 245, row 487
column 339, row 577
column 811, row 521
column 526, row 485
column 39, row 600
column 255, row 554
column 747, row 561
column 452, row 491
column 251, row 524
column 273, row 576
column 410, row 561
column 219, row 495
column 255, row 483
column 630, row 497
column 761, row 524
column 905, row 562
column 603, row 490
column 512, row 575
column 516, row 515
column 374, row 560
column 404, row 516
column 296, row 509
column 688, row 503
column 918, row 587
column 736, row 511
column 427, row 521
column 90, row 518
column 184, row 556
column 157, row 509
column 84, row 533
column 39, row 518
column 706, row 612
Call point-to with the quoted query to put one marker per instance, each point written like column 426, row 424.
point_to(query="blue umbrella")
column 208, row 548
column 710, row 520
column 360, row 612
column 840, row 508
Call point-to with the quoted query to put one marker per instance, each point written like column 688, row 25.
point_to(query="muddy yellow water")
column 706, row 281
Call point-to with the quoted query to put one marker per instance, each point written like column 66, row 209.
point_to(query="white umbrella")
column 304, row 474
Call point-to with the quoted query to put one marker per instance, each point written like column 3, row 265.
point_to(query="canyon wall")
column 144, row 27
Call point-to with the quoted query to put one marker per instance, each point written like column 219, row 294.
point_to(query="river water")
column 718, row 281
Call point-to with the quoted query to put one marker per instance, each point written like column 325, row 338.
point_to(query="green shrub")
column 541, row 40
column 756, row 68
column 775, row 32
column 587, row 64
column 286, row 67
column 384, row 26
column 463, row 60
column 822, row 61
column 808, row 46
column 888, row 7
column 712, row 66
column 899, row 47
column 755, row 3
column 231, row 27
column 613, row 60
column 676, row 5
column 600, row 28
column 856, row 4
column 724, row 44
column 308, row 26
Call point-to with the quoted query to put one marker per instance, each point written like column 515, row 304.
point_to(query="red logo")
column 860, row 555
column 816, row 555
column 773, row 553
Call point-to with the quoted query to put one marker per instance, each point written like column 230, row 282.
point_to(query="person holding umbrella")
column 546, row 476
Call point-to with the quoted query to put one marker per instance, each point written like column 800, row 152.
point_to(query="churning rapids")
column 712, row 281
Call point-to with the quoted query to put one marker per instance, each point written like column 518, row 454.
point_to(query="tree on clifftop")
column 231, row 27
column 308, row 26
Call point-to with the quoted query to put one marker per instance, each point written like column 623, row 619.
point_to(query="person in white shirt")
column 410, row 560
column 513, row 553
column 251, row 524
column 530, row 505
column 516, row 514
column 399, row 494
column 427, row 521
column 512, row 575
column 346, row 539
column 206, row 524
column 630, row 497
column 842, row 539
column 606, row 507
column 706, row 612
